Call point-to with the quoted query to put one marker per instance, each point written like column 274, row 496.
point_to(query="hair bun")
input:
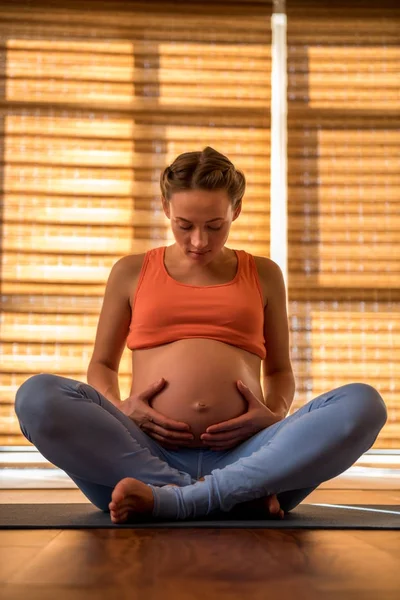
column 204, row 170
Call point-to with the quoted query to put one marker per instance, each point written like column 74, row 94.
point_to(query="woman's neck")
column 178, row 257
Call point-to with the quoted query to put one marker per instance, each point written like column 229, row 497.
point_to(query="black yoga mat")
column 304, row 516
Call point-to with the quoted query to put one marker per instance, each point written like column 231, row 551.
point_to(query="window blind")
column 344, row 199
column 97, row 98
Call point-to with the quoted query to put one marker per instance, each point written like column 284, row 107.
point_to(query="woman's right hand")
column 168, row 433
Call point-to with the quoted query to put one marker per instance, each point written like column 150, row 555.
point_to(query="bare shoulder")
column 130, row 265
column 270, row 275
column 131, row 262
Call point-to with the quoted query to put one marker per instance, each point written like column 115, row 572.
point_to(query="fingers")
column 149, row 392
column 244, row 390
column 169, row 444
column 174, row 425
column 159, row 419
column 228, row 436
column 156, row 385
column 166, row 435
column 153, row 389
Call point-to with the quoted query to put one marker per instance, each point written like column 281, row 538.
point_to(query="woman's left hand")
column 228, row 434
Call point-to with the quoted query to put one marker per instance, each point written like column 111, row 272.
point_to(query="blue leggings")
column 78, row 430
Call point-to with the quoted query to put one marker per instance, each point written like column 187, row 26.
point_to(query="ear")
column 165, row 206
column 237, row 211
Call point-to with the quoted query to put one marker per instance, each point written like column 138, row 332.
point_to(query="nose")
column 199, row 240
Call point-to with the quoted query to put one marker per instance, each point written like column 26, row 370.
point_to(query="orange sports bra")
column 165, row 310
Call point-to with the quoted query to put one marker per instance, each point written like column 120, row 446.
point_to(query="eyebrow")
column 210, row 221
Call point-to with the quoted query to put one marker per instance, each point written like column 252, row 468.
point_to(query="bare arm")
column 278, row 377
column 105, row 381
column 279, row 391
column 112, row 331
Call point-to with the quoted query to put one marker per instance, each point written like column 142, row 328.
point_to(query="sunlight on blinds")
column 370, row 78
column 343, row 199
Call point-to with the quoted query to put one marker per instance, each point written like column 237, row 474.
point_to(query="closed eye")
column 190, row 227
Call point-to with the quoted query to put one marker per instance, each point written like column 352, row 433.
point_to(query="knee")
column 33, row 393
column 371, row 409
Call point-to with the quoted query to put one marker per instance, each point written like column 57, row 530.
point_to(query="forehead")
column 200, row 203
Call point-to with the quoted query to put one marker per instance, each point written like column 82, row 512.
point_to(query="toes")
column 120, row 491
column 274, row 507
column 119, row 505
column 123, row 517
column 116, row 497
column 123, row 503
column 118, row 494
column 273, row 504
column 119, row 517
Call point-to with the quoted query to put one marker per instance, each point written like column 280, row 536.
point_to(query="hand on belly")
column 199, row 413
column 201, row 388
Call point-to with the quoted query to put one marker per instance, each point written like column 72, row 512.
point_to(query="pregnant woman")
column 197, row 434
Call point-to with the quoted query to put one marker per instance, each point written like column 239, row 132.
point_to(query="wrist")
column 116, row 401
column 277, row 405
column 271, row 417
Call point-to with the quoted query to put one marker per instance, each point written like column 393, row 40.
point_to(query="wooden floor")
column 201, row 564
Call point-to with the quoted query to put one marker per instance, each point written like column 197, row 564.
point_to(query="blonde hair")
column 205, row 170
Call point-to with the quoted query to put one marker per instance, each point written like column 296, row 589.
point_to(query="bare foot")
column 129, row 497
column 268, row 503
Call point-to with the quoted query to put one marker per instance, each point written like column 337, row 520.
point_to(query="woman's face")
column 200, row 222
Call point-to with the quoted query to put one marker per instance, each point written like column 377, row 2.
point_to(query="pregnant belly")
column 201, row 377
